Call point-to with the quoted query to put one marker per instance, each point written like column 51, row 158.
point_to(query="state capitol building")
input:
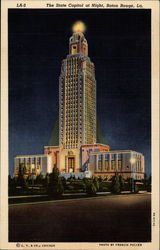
column 78, row 154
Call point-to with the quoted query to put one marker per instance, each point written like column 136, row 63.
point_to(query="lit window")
column 33, row 160
column 106, row 164
column 106, row 156
column 113, row 163
column 99, row 157
column 119, row 156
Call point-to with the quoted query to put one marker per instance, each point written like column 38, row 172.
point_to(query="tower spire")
column 77, row 42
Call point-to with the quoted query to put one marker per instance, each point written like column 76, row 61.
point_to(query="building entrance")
column 71, row 164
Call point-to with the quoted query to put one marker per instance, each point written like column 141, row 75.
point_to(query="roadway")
column 124, row 218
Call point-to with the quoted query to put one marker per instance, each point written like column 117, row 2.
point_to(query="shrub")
column 149, row 188
column 90, row 188
column 39, row 179
column 128, row 184
column 136, row 189
column 96, row 183
column 64, row 182
column 149, row 184
column 115, row 184
column 12, row 185
column 121, row 181
column 55, row 186
column 20, row 181
column 104, row 186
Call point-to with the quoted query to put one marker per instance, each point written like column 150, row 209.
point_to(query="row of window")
column 75, row 130
column 29, row 160
column 73, row 141
column 71, row 146
column 112, row 157
column 72, row 118
column 68, row 76
column 72, row 62
column 72, row 70
column 72, row 103
column 138, row 167
column 71, row 98
column 72, row 89
column 71, row 92
column 73, row 115
column 70, row 85
column 73, row 66
column 73, row 122
column 106, row 165
column 71, row 110
column 70, row 128
column 72, row 95
column 74, row 76
column 28, row 169
column 71, row 132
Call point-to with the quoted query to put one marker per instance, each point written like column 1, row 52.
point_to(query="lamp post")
column 133, row 162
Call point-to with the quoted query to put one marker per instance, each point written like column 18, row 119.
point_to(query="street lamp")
column 133, row 161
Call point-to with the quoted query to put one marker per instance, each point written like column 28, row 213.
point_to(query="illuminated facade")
column 127, row 163
column 77, row 96
column 78, row 152
column 33, row 164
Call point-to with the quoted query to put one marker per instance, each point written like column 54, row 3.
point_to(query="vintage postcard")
column 79, row 125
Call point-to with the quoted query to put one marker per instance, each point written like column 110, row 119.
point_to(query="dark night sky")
column 119, row 45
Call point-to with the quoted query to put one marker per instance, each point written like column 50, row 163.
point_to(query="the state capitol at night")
column 78, row 152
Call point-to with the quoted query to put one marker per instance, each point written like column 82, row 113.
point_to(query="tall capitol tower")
column 77, row 101
column 77, row 94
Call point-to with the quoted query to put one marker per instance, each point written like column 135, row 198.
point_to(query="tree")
column 149, row 184
column 115, row 184
column 64, row 182
column 46, row 180
column 145, row 181
column 96, row 183
column 129, row 184
column 121, row 181
column 21, row 180
column 11, row 185
column 136, row 188
column 39, row 179
column 90, row 187
column 55, row 186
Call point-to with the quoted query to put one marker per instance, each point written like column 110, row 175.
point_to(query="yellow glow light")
column 78, row 26
column 132, row 160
